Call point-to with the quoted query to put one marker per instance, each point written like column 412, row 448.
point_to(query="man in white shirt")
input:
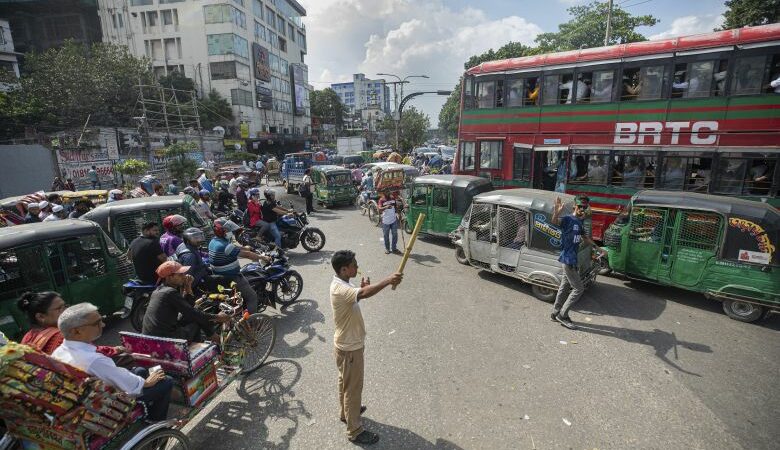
column 57, row 213
column 233, row 185
column 349, row 339
column 582, row 90
column 81, row 325
column 775, row 84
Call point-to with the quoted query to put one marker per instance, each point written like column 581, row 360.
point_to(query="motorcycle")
column 274, row 283
column 136, row 301
column 293, row 228
column 457, row 238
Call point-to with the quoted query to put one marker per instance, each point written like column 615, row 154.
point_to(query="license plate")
column 129, row 302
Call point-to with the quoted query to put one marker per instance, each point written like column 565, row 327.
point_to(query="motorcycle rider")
column 241, row 191
column 272, row 209
column 188, row 254
column 224, row 197
column 224, row 254
column 204, row 205
column 255, row 211
column 115, row 195
column 174, row 227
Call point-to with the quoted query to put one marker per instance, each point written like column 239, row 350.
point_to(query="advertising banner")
column 78, row 171
column 299, row 90
column 262, row 64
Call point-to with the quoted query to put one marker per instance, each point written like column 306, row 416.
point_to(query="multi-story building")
column 363, row 93
column 250, row 51
column 9, row 64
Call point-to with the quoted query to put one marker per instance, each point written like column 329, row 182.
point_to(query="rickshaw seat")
column 49, row 404
column 177, row 357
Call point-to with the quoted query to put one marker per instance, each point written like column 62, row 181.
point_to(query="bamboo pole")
column 408, row 250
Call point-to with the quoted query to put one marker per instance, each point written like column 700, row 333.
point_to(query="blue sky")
column 435, row 37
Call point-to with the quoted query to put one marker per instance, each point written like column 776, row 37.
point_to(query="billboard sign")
column 261, row 61
column 299, row 89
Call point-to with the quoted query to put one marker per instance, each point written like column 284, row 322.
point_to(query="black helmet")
column 270, row 194
column 193, row 236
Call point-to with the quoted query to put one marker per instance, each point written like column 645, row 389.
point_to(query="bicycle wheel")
column 252, row 340
column 165, row 438
column 373, row 213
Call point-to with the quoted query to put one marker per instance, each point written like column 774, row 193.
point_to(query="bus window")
column 774, row 75
column 601, row 85
column 521, row 166
column 515, row 91
column 486, row 91
column 523, row 91
column 557, row 88
column 643, row 83
column 499, row 93
column 490, row 154
column 745, row 173
column 468, row 93
column 683, row 171
column 748, row 75
column 629, row 169
column 467, row 155
column 589, row 167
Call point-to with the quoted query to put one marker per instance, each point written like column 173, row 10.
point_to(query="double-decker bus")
column 697, row 113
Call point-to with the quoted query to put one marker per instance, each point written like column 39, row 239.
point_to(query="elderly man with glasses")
column 81, row 325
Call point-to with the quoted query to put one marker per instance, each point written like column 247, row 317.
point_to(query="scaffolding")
column 163, row 108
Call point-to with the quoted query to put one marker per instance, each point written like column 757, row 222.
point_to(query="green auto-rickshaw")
column 723, row 247
column 444, row 199
column 73, row 257
column 123, row 219
column 332, row 185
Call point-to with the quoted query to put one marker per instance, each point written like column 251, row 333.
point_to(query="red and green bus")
column 697, row 113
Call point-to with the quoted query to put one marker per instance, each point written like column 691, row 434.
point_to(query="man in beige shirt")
column 349, row 339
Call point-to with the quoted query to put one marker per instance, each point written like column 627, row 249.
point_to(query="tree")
column 62, row 86
column 215, row 110
column 327, row 105
column 132, row 168
column 449, row 116
column 587, row 28
column 414, row 124
column 180, row 165
column 510, row 50
column 184, row 86
column 742, row 13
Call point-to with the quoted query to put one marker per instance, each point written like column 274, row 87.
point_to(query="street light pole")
column 398, row 111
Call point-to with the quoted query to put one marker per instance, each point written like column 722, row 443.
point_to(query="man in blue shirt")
column 223, row 257
column 572, row 234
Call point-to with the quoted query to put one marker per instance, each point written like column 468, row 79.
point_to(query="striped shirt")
column 223, row 256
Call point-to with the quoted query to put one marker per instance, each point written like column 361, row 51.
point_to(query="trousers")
column 350, row 364
column 157, row 398
column 569, row 291
column 387, row 229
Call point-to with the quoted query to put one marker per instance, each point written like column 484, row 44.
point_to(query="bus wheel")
column 544, row 294
column 742, row 311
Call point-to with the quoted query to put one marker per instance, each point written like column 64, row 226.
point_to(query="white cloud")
column 404, row 37
column 686, row 25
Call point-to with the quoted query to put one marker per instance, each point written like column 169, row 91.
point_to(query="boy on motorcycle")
column 272, row 210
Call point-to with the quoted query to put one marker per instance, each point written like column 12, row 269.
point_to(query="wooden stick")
column 408, row 250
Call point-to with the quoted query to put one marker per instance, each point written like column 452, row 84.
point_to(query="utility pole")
column 609, row 24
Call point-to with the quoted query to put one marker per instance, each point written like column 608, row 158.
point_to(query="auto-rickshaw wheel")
column 460, row 255
column 543, row 293
column 742, row 311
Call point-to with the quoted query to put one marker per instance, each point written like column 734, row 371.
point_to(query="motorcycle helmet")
column 194, row 236
column 147, row 183
column 170, row 223
column 224, row 227
column 204, row 193
column 254, row 192
column 189, row 190
column 270, row 194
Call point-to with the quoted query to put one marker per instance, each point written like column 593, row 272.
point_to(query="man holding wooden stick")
column 349, row 339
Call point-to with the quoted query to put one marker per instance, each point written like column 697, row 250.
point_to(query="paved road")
column 462, row 359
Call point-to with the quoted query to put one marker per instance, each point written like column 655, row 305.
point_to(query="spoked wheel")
column 164, row 439
column 373, row 214
column 252, row 340
column 289, row 288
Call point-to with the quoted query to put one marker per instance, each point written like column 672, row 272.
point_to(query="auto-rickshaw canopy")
column 464, row 188
column 19, row 235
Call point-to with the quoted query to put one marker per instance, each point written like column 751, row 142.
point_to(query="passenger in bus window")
column 532, row 88
column 731, row 174
column 632, row 87
column 748, row 75
column 701, row 175
column 565, row 88
column 652, row 78
column 583, row 91
column 601, row 90
column 650, row 175
column 719, row 78
column 515, row 97
column 633, row 174
column 597, row 171
column 579, row 169
column 775, row 84
column 760, row 177
column 674, row 174
column 679, row 84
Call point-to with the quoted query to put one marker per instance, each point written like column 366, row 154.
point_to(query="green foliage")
column 132, row 167
column 178, row 81
column 240, row 156
column 180, row 165
column 741, row 13
column 588, row 27
column 215, row 110
column 62, row 86
column 414, row 125
column 326, row 105
column 510, row 50
column 449, row 116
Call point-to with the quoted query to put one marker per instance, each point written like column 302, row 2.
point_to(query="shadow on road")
column 391, row 437
column 313, row 258
column 423, row 259
column 662, row 342
column 296, row 324
column 268, row 415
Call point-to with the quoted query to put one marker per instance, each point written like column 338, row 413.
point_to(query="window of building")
column 643, row 83
column 629, row 169
column 521, row 165
column 302, row 40
column 596, row 86
column 163, row 2
column 284, row 66
column 226, row 44
column 273, row 62
column 240, row 97
column 151, row 18
column 486, row 93
column 7, row 68
column 270, row 16
column 749, row 75
column 685, row 171
column 223, row 70
column 282, row 44
column 490, row 154
column 745, row 174
column 167, row 17
column 259, row 32
column 240, row 2
column 467, row 155
column 172, row 48
column 257, row 8
column 280, row 25
column 273, row 39
column 141, row 2
column 589, row 167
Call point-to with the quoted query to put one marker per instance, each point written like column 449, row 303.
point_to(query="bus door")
column 548, row 162
column 481, row 234
column 512, row 237
column 696, row 241
column 648, row 247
